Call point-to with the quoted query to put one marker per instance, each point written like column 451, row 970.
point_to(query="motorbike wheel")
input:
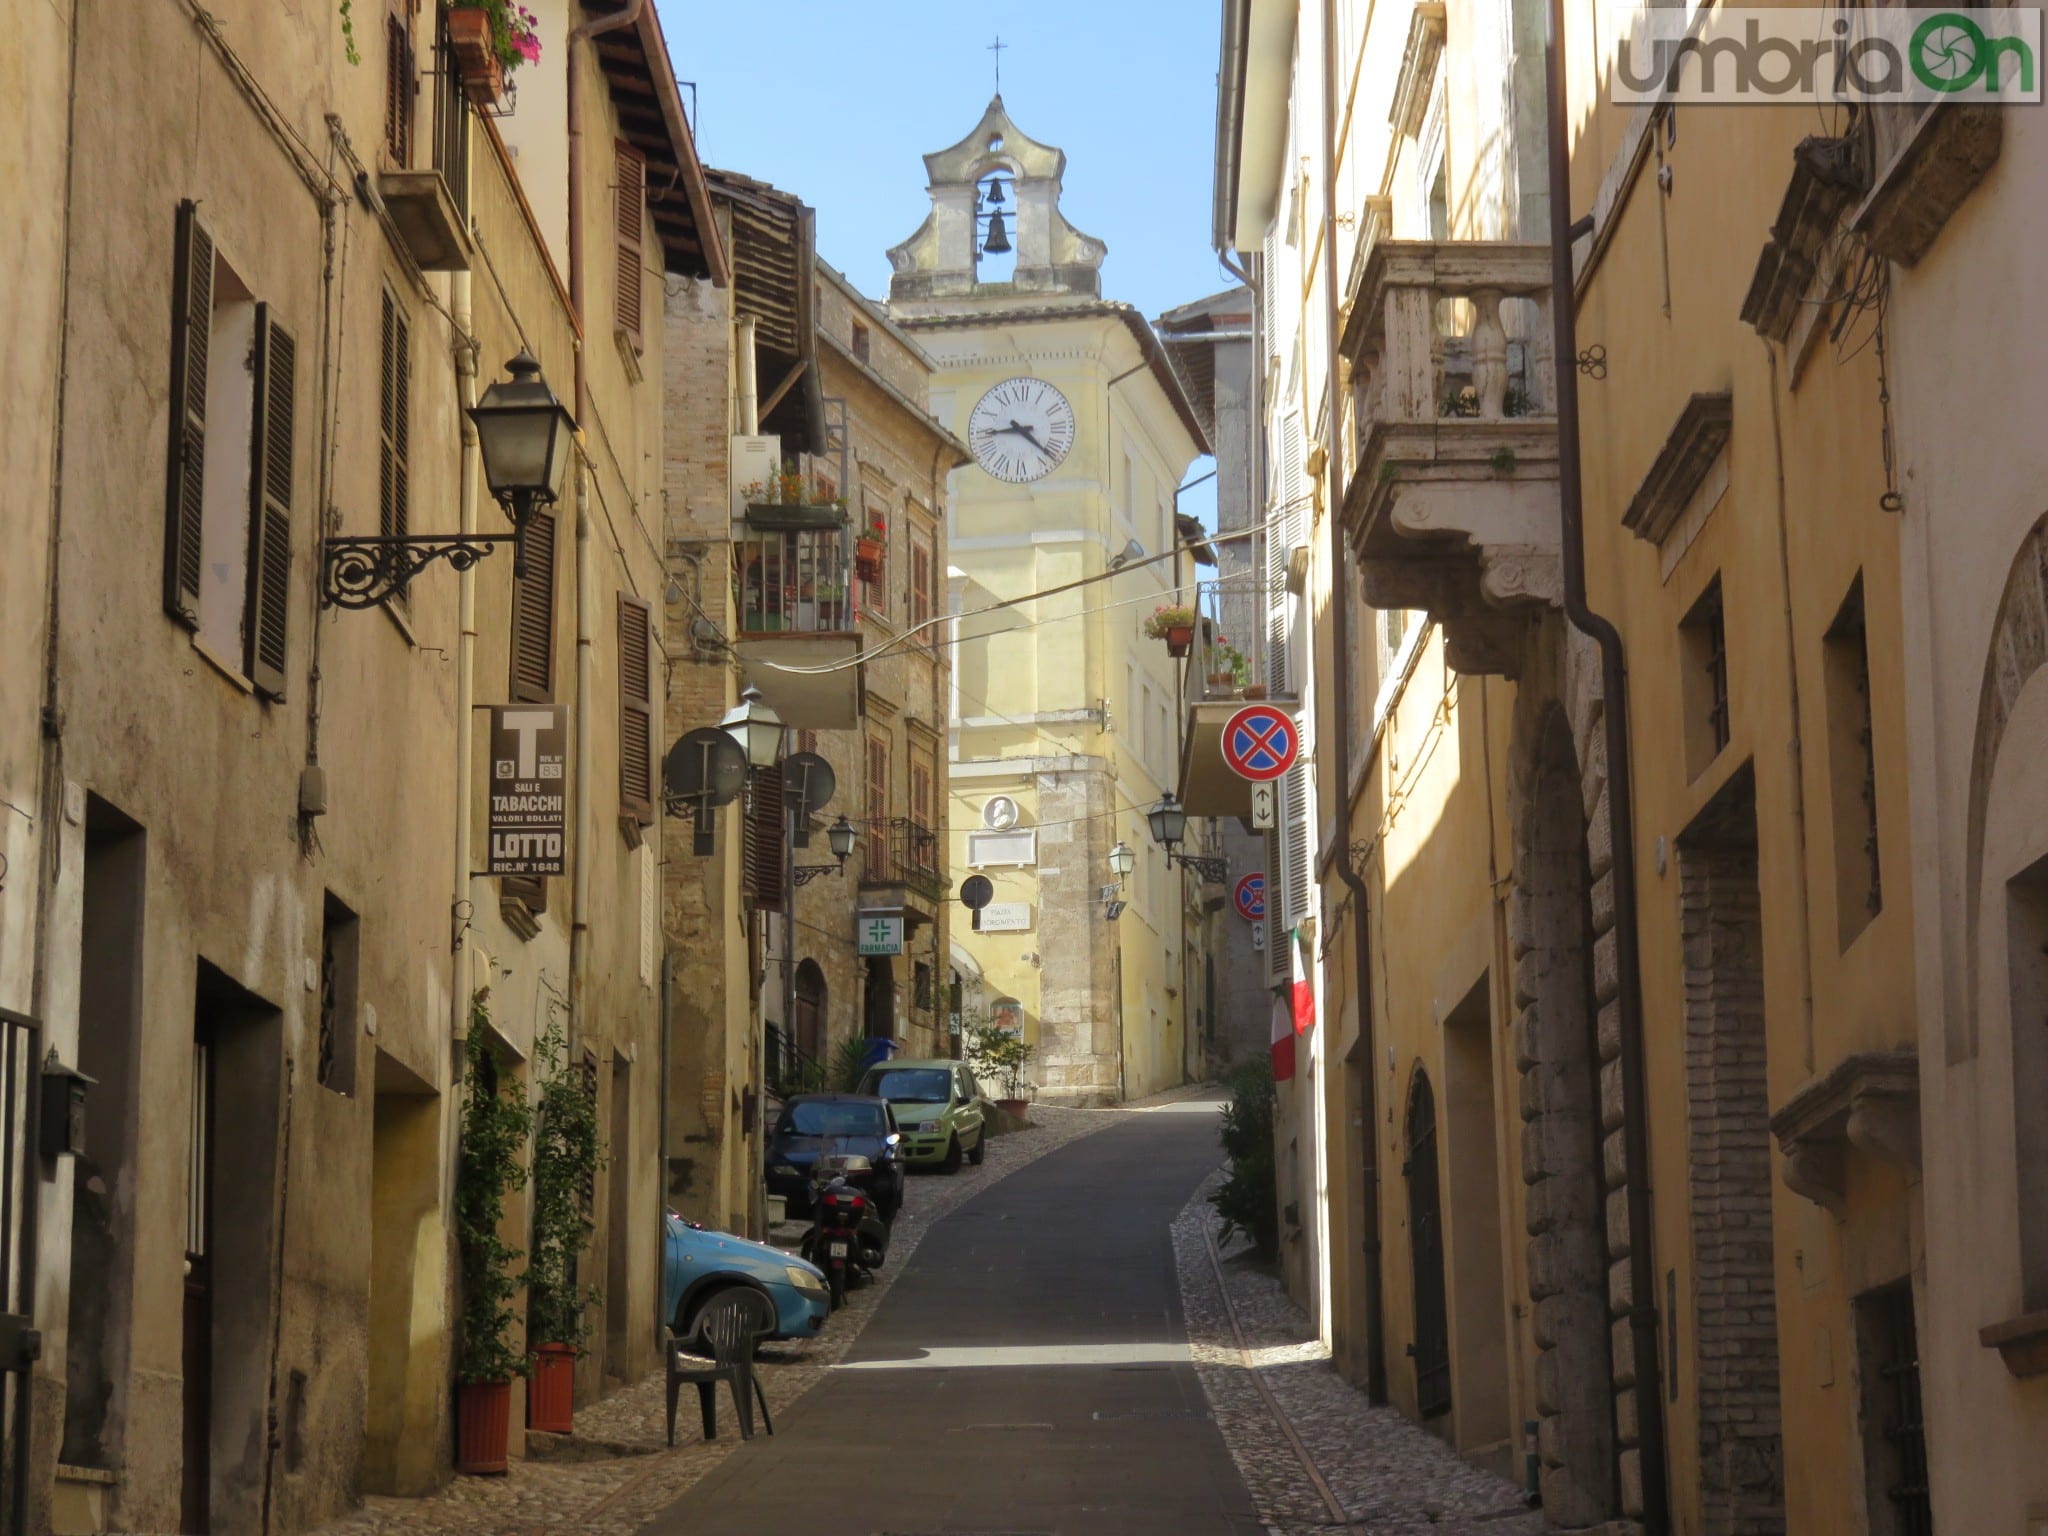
column 952, row 1162
column 980, row 1148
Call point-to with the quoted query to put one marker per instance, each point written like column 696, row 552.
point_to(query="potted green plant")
column 1227, row 665
column 1000, row 1054
column 496, row 1123
column 491, row 38
column 1175, row 624
column 567, row 1153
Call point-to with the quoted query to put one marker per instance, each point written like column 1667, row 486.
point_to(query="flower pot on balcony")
column 1255, row 690
column 551, row 1392
column 483, row 1426
column 1221, row 681
column 1179, row 639
column 476, row 54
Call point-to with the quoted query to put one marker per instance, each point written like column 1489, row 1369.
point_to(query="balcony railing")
column 900, row 851
column 789, row 578
column 1452, row 506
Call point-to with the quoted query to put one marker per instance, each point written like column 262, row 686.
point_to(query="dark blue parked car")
column 698, row 1265
column 840, row 1124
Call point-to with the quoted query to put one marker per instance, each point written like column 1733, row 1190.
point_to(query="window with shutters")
column 230, row 482
column 924, row 779
column 1852, row 767
column 394, row 421
column 533, row 614
column 400, row 86
column 874, row 577
column 767, row 842
column 877, row 850
column 629, row 193
column 636, row 711
column 923, row 557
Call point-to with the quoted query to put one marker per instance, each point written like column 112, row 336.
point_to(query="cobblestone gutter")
column 623, row 1473
column 1317, row 1457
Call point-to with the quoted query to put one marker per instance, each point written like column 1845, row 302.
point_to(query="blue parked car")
column 698, row 1264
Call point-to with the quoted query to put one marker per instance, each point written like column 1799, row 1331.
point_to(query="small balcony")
column 902, row 873
column 793, row 603
column 1223, row 675
column 1453, row 505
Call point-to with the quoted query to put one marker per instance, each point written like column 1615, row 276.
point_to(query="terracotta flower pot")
column 476, row 55
column 1254, row 690
column 1220, row 679
column 551, row 1391
column 1179, row 638
column 1015, row 1107
column 483, row 1426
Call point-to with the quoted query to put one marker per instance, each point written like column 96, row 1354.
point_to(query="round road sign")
column 1250, row 898
column 1260, row 742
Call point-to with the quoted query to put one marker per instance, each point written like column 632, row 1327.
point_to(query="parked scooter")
column 848, row 1237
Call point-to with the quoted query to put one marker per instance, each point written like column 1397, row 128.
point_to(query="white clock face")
column 1021, row 430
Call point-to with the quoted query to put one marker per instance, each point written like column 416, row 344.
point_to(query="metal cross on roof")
column 997, row 48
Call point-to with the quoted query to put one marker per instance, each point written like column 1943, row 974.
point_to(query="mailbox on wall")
column 63, row 1108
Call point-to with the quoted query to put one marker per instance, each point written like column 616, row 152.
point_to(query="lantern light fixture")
column 1122, row 859
column 754, row 724
column 1169, row 829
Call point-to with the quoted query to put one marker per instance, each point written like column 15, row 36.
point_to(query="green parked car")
column 938, row 1107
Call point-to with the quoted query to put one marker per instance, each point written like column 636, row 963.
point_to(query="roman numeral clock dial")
column 1021, row 430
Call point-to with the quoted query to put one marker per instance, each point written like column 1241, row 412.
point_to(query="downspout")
column 578, row 38
column 1340, row 685
column 462, row 908
column 748, row 359
column 1642, row 1316
column 668, row 976
column 582, row 798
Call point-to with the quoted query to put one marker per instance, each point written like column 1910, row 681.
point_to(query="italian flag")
column 1294, row 1013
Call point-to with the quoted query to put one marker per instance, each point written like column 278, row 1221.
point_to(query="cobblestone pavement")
column 634, row 1473
column 1388, row 1475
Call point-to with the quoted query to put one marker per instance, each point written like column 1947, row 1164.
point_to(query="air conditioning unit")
column 752, row 461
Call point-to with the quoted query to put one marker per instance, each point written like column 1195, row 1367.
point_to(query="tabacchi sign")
column 529, row 818
column 1741, row 54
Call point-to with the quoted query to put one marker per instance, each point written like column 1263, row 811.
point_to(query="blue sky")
column 836, row 102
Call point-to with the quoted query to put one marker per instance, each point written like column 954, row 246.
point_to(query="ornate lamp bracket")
column 803, row 874
column 1213, row 868
column 364, row 572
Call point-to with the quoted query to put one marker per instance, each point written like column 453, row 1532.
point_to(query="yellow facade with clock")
column 1063, row 720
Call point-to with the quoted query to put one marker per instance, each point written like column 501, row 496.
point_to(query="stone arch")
column 2016, row 650
column 1557, row 1051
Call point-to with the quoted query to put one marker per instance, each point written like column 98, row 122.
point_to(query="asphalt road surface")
column 1026, row 1376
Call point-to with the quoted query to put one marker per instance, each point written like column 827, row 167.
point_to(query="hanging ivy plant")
column 496, row 1125
column 567, row 1153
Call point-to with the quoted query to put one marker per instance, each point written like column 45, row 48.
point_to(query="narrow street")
column 1053, row 1394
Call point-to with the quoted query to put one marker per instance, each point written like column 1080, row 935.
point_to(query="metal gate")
column 1432, row 1346
column 20, row 1086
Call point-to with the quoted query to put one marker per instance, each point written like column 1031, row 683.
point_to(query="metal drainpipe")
column 1642, row 1315
column 1340, row 685
column 463, row 910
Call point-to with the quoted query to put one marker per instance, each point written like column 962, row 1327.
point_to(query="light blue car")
column 698, row 1265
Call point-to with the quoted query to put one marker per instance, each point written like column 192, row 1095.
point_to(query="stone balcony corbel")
column 1867, row 1103
column 1452, row 507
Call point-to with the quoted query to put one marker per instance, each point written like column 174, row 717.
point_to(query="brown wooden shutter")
column 630, row 198
column 270, row 504
column 395, row 422
column 185, row 498
column 636, row 710
column 766, row 846
column 920, row 580
column 398, row 90
column 533, row 614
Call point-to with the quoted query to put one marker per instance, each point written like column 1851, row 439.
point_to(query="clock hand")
column 1027, row 434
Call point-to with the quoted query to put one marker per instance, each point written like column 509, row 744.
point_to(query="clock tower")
column 1065, row 718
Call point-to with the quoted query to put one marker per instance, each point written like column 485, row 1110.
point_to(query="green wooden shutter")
column 185, row 500
column 270, row 505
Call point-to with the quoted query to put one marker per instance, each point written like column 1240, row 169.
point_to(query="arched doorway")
column 809, row 1023
column 878, row 1002
column 1426, row 1254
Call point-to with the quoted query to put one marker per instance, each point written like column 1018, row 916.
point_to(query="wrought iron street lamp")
column 754, row 724
column 524, row 436
column 1169, row 828
column 1122, row 859
column 839, row 837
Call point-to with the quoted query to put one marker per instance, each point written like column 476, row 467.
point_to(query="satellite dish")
column 976, row 892
column 807, row 785
column 705, row 767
